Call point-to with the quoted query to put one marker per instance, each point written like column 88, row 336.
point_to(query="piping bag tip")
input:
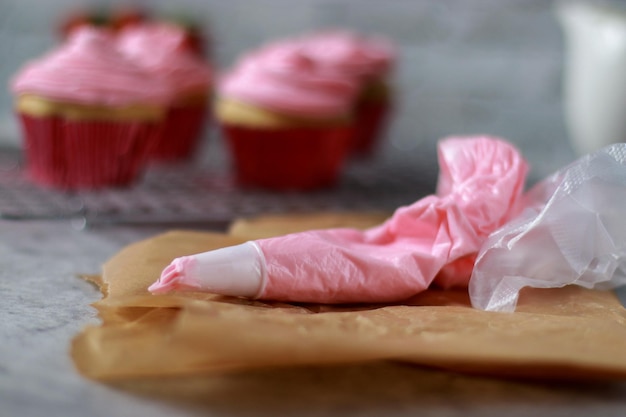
column 237, row 271
column 170, row 277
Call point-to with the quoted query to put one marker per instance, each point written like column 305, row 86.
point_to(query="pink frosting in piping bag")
column 480, row 187
column 480, row 183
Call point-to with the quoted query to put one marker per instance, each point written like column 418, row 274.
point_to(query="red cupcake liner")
column 73, row 155
column 371, row 118
column 181, row 134
column 293, row 158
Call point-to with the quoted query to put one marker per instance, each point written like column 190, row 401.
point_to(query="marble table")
column 43, row 304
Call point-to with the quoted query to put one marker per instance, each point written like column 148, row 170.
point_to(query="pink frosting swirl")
column 89, row 69
column 160, row 49
column 282, row 78
column 351, row 53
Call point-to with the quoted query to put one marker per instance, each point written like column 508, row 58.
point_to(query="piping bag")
column 434, row 240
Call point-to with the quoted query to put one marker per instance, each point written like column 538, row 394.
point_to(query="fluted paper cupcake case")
column 87, row 154
column 182, row 133
column 371, row 119
column 300, row 158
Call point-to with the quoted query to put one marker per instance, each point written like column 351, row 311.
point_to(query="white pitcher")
column 594, row 73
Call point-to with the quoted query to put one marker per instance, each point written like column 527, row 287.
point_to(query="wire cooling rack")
column 203, row 194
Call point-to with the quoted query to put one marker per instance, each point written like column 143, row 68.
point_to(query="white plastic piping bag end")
column 235, row 271
column 572, row 232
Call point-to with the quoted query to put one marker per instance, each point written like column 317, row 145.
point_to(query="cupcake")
column 160, row 49
column 371, row 61
column 287, row 125
column 89, row 115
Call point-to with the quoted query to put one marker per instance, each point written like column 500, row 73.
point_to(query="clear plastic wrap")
column 572, row 231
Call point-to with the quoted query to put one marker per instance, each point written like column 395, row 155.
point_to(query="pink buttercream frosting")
column 160, row 49
column 281, row 77
column 89, row 69
column 351, row 53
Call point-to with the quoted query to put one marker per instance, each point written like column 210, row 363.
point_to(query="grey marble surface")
column 43, row 305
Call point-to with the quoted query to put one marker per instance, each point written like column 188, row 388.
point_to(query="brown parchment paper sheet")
column 561, row 333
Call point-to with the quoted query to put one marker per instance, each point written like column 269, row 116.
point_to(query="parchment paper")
column 569, row 332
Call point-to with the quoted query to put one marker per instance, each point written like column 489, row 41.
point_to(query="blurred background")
column 465, row 67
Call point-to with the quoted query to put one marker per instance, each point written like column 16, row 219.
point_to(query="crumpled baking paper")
column 568, row 332
column 572, row 231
